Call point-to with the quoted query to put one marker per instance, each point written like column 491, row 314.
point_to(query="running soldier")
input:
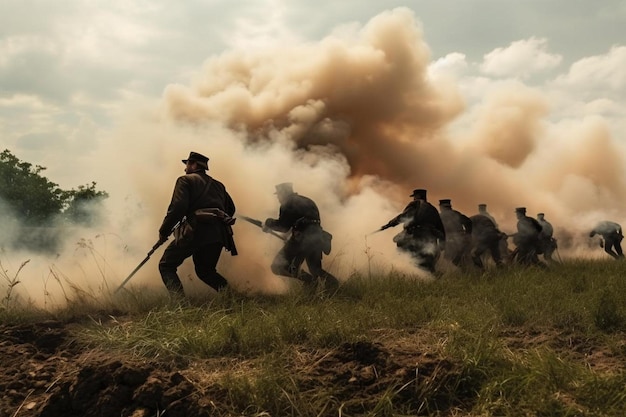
column 485, row 237
column 547, row 242
column 194, row 192
column 612, row 236
column 458, row 229
column 503, row 244
column 526, row 239
column 423, row 233
column 308, row 241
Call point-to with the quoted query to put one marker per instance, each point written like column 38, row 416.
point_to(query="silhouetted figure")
column 197, row 190
column 308, row 241
column 485, row 237
column 423, row 233
column 482, row 210
column 612, row 236
column 526, row 239
column 458, row 229
column 547, row 242
column 503, row 244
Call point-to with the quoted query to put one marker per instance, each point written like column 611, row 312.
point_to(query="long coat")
column 194, row 191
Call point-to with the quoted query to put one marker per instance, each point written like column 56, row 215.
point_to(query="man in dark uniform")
column 547, row 242
column 611, row 233
column 300, row 216
column 482, row 210
column 458, row 229
column 485, row 237
column 503, row 244
column 526, row 239
column 197, row 190
column 423, row 234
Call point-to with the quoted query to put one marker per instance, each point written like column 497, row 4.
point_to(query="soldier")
column 611, row 233
column 197, row 190
column 458, row 229
column 547, row 242
column 526, row 239
column 300, row 216
column 504, row 246
column 482, row 210
column 423, row 233
column 485, row 237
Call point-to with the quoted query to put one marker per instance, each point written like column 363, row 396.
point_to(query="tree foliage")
column 32, row 197
column 36, row 202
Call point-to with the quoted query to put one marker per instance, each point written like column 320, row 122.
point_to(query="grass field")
column 511, row 342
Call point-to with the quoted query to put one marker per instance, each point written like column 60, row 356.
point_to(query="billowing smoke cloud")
column 367, row 94
column 355, row 121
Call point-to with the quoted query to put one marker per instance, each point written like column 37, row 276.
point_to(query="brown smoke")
column 509, row 123
column 369, row 97
column 355, row 121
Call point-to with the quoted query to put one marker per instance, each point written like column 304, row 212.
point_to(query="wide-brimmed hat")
column 200, row 159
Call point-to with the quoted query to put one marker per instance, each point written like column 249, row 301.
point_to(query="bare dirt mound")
column 45, row 372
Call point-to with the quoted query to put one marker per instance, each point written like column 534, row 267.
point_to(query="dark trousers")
column 205, row 257
column 613, row 245
column 422, row 245
column 487, row 242
column 288, row 262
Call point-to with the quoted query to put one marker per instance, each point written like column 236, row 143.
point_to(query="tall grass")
column 510, row 342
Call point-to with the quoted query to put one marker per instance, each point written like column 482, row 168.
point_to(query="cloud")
column 601, row 72
column 453, row 64
column 520, row 59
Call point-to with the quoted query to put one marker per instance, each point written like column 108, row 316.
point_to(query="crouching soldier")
column 300, row 216
column 612, row 236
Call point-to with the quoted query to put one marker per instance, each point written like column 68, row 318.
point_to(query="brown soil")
column 45, row 372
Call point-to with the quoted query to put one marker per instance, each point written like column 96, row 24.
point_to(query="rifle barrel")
column 255, row 222
column 259, row 223
column 155, row 247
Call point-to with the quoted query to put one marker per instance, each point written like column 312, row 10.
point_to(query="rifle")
column 155, row 247
column 385, row 227
column 259, row 223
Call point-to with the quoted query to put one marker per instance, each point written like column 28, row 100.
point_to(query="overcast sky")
column 69, row 67
column 507, row 102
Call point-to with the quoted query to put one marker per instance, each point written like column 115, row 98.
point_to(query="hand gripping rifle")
column 259, row 223
column 155, row 247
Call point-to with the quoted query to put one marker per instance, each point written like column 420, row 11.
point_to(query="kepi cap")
column 202, row 160
column 445, row 203
column 420, row 193
column 521, row 210
column 284, row 188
